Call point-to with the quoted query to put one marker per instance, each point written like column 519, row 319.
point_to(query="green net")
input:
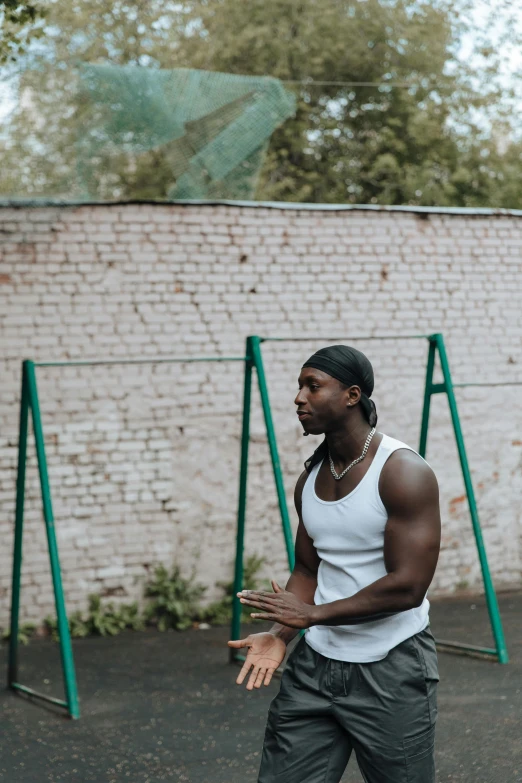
column 183, row 133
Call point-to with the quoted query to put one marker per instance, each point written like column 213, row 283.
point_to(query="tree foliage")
column 17, row 27
column 386, row 114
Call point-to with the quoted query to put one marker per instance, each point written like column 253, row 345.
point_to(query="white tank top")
column 348, row 535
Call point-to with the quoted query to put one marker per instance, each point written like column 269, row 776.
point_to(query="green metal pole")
column 12, row 675
column 270, row 431
column 243, row 476
column 427, row 397
column 63, row 625
column 491, row 598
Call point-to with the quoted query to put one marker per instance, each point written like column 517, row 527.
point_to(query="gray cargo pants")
column 385, row 711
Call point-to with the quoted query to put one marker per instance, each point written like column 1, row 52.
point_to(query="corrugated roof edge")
column 295, row 205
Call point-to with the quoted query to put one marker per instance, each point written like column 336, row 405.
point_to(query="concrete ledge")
column 298, row 206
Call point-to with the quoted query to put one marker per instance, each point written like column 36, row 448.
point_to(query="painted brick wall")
column 143, row 459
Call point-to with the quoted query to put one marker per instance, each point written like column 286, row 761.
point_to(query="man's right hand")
column 265, row 654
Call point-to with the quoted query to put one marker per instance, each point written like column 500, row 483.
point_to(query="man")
column 364, row 675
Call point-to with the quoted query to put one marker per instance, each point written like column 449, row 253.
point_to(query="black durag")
column 351, row 367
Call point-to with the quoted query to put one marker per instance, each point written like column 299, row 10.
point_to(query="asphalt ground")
column 161, row 707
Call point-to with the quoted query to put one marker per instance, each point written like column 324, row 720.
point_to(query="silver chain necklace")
column 337, row 476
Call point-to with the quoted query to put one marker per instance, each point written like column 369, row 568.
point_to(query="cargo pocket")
column 424, row 645
column 418, row 754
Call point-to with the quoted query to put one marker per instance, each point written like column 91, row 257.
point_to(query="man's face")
column 323, row 401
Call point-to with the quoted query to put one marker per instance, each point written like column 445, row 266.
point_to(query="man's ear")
column 353, row 395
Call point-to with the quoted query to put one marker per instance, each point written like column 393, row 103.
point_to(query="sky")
column 513, row 55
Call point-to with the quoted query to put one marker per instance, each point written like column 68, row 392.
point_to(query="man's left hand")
column 280, row 606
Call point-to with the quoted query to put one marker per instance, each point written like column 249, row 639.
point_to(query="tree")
column 39, row 144
column 17, row 27
column 364, row 144
column 423, row 131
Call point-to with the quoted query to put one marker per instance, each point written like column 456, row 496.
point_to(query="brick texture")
column 143, row 459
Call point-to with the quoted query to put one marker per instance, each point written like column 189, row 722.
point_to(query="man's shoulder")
column 402, row 456
column 406, row 474
column 403, row 459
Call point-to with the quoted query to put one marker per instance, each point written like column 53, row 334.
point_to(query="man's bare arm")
column 303, row 579
column 410, row 494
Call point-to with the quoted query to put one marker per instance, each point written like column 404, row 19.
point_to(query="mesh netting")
column 211, row 130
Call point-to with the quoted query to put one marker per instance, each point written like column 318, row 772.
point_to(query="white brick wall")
column 143, row 460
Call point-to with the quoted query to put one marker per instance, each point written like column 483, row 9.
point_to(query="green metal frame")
column 254, row 360
column 30, row 401
column 436, row 346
